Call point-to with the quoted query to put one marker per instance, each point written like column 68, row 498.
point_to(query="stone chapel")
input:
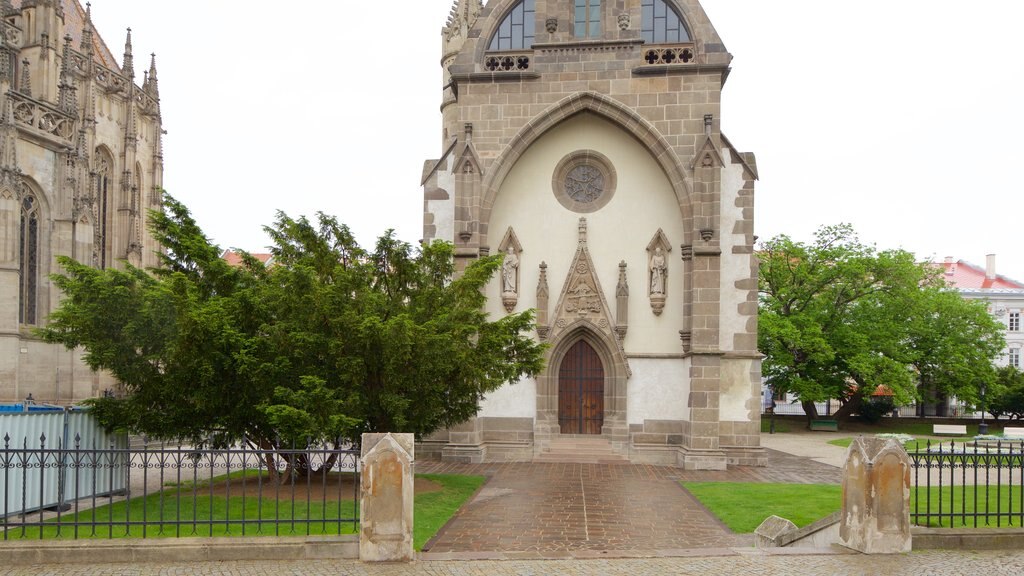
column 80, row 165
column 581, row 139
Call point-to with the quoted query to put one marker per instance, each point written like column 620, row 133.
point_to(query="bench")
column 949, row 430
column 1013, row 433
column 824, row 426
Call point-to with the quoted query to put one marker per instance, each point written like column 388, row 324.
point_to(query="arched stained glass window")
column 660, row 24
column 587, row 19
column 29, row 266
column 516, row 30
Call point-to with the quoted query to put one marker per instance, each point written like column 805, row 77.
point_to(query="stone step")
column 564, row 459
column 581, row 450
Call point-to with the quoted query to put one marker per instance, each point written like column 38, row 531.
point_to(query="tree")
column 330, row 341
column 951, row 343
column 838, row 319
column 1008, row 396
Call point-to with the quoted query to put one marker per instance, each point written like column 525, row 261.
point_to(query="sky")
column 903, row 118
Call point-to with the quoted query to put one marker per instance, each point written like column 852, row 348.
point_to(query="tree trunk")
column 810, row 410
column 847, row 409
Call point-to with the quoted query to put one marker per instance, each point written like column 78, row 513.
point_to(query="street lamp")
column 983, row 427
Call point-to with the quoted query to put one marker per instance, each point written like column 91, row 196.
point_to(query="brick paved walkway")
column 543, row 507
column 745, row 563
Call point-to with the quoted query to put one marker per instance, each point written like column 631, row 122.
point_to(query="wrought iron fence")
column 176, row 491
column 974, row 484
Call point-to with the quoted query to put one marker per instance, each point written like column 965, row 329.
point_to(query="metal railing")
column 972, row 485
column 177, row 491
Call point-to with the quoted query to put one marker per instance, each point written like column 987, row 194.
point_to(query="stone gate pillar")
column 876, row 497
column 386, row 498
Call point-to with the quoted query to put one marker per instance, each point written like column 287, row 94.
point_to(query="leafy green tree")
column 839, row 318
column 328, row 342
column 1008, row 396
column 951, row 343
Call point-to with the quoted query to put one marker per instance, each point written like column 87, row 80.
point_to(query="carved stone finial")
column 622, row 304
column 542, row 302
column 709, row 120
column 86, row 45
column 26, row 79
column 66, row 95
column 152, row 86
column 129, row 61
column 583, row 230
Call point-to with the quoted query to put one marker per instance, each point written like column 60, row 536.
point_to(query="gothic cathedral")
column 80, row 165
column 581, row 140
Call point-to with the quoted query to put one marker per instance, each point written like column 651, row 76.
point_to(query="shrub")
column 873, row 409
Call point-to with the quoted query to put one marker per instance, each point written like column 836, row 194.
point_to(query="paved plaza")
column 545, row 507
column 745, row 563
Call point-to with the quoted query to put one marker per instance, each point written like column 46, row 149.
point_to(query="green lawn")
column 212, row 513
column 958, row 501
column 434, row 509
column 743, row 506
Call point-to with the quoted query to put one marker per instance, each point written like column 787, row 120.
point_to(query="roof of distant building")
column 235, row 258
column 967, row 276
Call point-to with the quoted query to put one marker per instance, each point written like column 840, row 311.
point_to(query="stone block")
column 876, row 497
column 386, row 498
column 770, row 532
column 662, row 426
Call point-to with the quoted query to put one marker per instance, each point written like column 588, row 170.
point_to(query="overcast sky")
column 904, row 118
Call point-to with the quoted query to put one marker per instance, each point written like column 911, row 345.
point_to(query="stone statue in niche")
column 658, row 270
column 509, row 269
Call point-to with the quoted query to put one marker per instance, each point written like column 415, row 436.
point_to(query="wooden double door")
column 581, row 391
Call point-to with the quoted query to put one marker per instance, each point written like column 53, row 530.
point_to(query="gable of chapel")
column 605, row 113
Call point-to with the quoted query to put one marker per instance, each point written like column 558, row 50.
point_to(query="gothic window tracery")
column 587, row 19
column 660, row 24
column 584, row 181
column 29, row 260
column 517, row 29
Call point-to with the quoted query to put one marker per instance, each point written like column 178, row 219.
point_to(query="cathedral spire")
column 66, row 97
column 129, row 60
column 153, row 87
column 86, row 45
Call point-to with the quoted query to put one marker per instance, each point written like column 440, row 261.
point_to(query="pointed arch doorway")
column 581, row 391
